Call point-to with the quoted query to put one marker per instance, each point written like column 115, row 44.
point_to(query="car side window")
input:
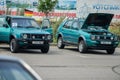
column 75, row 25
column 1, row 22
column 81, row 22
column 68, row 24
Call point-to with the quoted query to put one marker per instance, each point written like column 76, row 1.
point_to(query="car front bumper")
column 102, row 45
column 32, row 44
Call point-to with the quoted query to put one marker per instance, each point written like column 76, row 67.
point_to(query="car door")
column 46, row 25
column 4, row 30
column 66, row 31
column 74, row 33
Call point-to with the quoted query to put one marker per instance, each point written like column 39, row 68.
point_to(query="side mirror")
column 5, row 25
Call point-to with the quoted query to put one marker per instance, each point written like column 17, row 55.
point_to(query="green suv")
column 23, row 32
column 89, row 33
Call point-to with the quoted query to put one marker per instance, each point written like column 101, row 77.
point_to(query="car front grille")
column 100, row 37
column 105, row 38
column 36, row 36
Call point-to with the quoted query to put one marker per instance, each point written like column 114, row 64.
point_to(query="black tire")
column 110, row 51
column 60, row 44
column 82, row 47
column 45, row 48
column 13, row 46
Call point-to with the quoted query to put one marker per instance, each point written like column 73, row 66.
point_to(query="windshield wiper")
column 29, row 27
column 19, row 26
column 32, row 27
column 37, row 27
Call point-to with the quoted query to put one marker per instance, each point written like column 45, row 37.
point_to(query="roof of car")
column 9, row 58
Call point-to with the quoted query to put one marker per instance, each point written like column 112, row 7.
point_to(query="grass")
column 119, row 45
column 115, row 28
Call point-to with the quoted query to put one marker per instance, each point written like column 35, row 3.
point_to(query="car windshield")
column 45, row 23
column 14, row 71
column 24, row 23
column 81, row 23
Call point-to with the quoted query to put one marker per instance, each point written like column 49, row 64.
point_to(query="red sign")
column 55, row 14
column 2, row 12
column 117, row 16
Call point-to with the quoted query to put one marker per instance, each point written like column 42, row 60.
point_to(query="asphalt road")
column 69, row 64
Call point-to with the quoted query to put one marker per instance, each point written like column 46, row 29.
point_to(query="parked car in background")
column 23, row 33
column 12, row 68
column 89, row 33
column 46, row 25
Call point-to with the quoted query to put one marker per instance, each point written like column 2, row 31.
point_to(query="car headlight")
column 104, row 33
column 43, row 37
column 93, row 37
column 25, row 36
column 98, row 37
column 112, row 38
column 49, row 37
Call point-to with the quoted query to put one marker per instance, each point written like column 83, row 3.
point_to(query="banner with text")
column 84, row 7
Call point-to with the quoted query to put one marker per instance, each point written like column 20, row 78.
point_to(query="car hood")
column 30, row 30
column 98, row 19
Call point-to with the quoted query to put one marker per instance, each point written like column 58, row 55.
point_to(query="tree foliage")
column 46, row 5
column 10, row 4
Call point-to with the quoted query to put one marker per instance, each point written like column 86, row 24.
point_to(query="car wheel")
column 13, row 46
column 60, row 44
column 45, row 48
column 82, row 47
column 110, row 51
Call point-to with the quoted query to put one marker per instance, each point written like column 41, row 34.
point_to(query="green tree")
column 8, row 6
column 46, row 6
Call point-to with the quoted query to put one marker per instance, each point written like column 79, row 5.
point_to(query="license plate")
column 105, row 42
column 37, row 42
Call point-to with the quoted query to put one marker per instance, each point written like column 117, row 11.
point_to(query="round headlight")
column 112, row 38
column 104, row 33
column 98, row 37
column 33, row 37
column 25, row 36
column 93, row 37
column 49, row 37
column 43, row 37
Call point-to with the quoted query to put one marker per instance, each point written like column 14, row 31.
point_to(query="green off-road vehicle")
column 89, row 33
column 23, row 33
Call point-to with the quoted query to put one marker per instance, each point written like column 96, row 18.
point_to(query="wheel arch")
column 82, row 38
column 11, row 37
column 83, row 48
column 59, row 35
